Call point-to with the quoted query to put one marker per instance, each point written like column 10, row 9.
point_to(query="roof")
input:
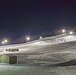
column 10, row 55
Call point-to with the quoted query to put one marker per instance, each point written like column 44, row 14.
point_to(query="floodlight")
column 27, row 38
column 3, row 42
column 70, row 32
column 40, row 37
column 63, row 31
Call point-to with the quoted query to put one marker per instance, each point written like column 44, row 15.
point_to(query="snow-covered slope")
column 45, row 41
column 49, row 50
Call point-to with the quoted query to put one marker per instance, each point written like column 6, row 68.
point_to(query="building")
column 8, row 58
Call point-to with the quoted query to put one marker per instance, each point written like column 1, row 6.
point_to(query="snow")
column 39, row 56
column 34, row 70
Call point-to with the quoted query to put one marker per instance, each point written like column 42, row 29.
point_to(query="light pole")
column 4, row 42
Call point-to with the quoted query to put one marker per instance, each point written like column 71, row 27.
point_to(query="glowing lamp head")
column 28, row 38
column 5, row 41
column 63, row 31
column 71, row 32
column 40, row 37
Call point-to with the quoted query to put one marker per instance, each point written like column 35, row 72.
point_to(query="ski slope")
column 42, row 42
column 48, row 56
column 49, row 50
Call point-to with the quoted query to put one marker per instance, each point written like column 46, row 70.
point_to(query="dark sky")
column 20, row 17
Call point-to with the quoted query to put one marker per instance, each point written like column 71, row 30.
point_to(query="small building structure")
column 8, row 58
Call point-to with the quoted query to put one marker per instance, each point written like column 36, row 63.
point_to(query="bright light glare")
column 40, row 37
column 71, row 32
column 5, row 41
column 28, row 38
column 63, row 31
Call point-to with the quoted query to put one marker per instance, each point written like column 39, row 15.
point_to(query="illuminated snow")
column 49, row 50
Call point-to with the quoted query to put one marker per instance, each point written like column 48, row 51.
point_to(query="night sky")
column 18, row 17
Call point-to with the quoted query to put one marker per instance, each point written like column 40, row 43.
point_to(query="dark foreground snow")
column 36, row 70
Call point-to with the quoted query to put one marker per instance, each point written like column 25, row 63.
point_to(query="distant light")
column 63, row 31
column 71, row 32
column 3, row 42
column 40, row 37
column 28, row 38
